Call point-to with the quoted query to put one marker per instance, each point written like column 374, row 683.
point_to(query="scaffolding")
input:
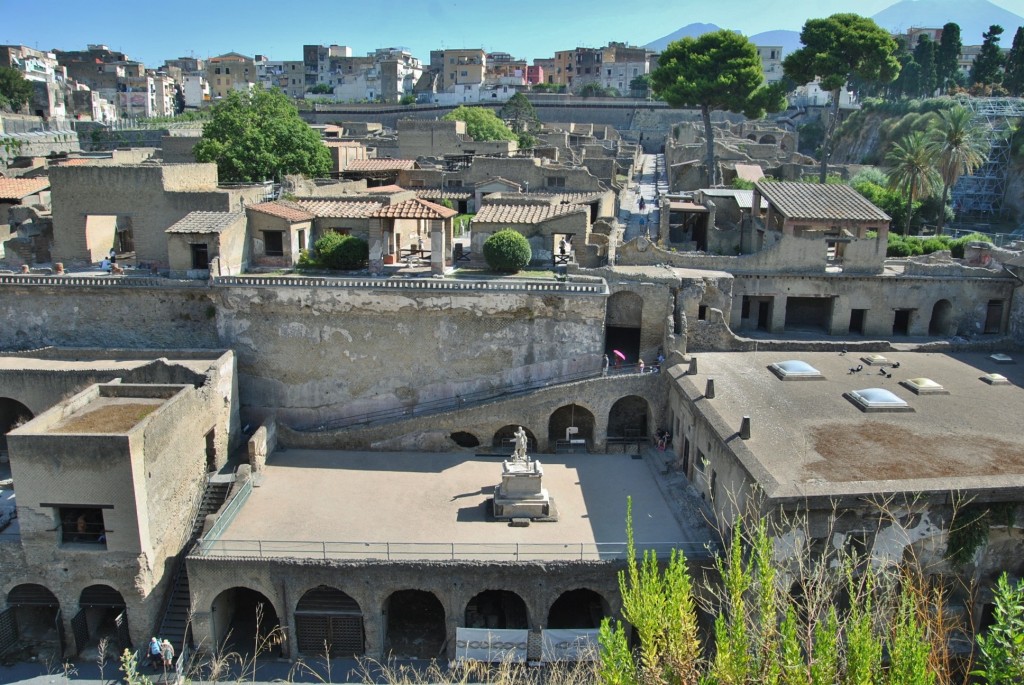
column 980, row 195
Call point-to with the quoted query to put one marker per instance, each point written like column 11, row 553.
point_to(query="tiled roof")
column 572, row 198
column 415, row 209
column 17, row 188
column 435, row 194
column 75, row 161
column 340, row 209
column 289, row 211
column 495, row 213
column 744, row 198
column 341, row 143
column 817, row 202
column 381, row 165
column 205, row 222
column 391, row 188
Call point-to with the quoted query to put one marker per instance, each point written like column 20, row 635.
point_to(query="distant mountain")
column 973, row 16
column 789, row 40
column 690, row 30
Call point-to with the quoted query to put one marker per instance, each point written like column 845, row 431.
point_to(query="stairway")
column 174, row 622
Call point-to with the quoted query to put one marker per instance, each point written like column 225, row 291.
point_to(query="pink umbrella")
column 619, row 355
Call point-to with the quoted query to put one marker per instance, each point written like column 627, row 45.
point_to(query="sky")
column 152, row 31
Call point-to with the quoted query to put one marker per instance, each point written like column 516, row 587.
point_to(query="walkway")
column 650, row 183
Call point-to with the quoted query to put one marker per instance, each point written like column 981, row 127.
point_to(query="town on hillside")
column 702, row 363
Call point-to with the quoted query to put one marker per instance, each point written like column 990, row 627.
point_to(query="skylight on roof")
column 875, row 360
column 795, row 370
column 999, row 358
column 924, row 386
column 877, row 400
column 995, row 379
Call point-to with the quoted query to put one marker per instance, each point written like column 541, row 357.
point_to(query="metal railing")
column 227, row 516
column 441, row 551
column 499, row 285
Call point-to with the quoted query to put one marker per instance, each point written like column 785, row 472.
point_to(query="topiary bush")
column 338, row 251
column 507, row 250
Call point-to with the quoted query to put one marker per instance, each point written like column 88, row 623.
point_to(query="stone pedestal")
column 521, row 494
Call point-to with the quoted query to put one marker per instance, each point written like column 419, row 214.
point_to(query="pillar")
column 778, row 323
column 440, row 246
column 377, row 246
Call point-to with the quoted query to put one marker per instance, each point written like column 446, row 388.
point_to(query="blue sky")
column 153, row 31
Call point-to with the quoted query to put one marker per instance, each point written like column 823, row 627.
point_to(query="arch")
column 415, row 625
column 329, row 620
column 36, row 613
column 245, row 622
column 465, row 439
column 31, row 594
column 102, row 613
column 497, row 609
column 12, row 414
column 571, row 415
column 752, row 136
column 579, row 608
column 624, row 313
column 629, row 417
column 942, row 318
column 505, row 437
column 768, row 139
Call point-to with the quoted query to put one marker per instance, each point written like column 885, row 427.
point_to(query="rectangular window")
column 302, row 240
column 994, row 316
column 200, row 256
column 227, row 70
column 217, row 70
column 555, row 181
column 273, row 243
column 464, row 73
column 82, row 525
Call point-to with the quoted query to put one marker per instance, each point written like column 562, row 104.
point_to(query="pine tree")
column 1013, row 75
column 947, row 56
column 924, row 55
column 987, row 65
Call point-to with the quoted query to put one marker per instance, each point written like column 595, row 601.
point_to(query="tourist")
column 561, row 247
column 641, row 365
column 604, row 366
column 167, row 650
column 156, row 657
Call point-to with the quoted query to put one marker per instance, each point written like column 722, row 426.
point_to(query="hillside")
column 688, row 31
column 973, row 16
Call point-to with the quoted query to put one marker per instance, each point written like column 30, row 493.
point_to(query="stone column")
column 439, row 246
column 377, row 246
column 778, row 323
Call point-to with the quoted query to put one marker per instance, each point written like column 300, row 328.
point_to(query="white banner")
column 569, row 645
column 486, row 644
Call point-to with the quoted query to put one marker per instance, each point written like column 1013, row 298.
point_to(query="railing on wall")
column 89, row 281
column 499, row 285
column 227, row 515
column 441, row 551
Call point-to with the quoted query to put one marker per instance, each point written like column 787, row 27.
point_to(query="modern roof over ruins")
column 493, row 213
column 205, row 222
column 820, row 202
column 414, row 209
column 341, row 209
column 17, row 188
column 284, row 209
column 381, row 165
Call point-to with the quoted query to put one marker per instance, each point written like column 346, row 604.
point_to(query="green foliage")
column 970, row 529
column 507, row 250
column 447, row 203
column 15, row 89
column 988, row 64
column 640, row 86
column 321, row 89
column 812, row 135
column 481, row 123
column 741, row 184
column 130, row 668
column 720, row 70
column 615, row 665
column 408, row 99
column 596, row 90
column 1001, row 649
column 338, row 251
column 1013, row 74
column 947, row 57
column 520, row 114
column 547, row 88
column 911, row 171
column 909, row 647
column 258, row 135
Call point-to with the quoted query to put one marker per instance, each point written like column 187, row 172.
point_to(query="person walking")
column 155, row 653
column 167, row 651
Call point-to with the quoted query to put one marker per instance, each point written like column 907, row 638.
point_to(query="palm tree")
column 959, row 148
column 912, row 171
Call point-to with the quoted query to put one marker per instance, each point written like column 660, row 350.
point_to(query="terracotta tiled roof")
column 392, row 188
column 341, row 143
column 435, row 194
column 74, row 161
column 17, row 188
column 814, row 201
column 415, row 209
column 289, row 211
column 381, row 165
column 340, row 209
column 205, row 222
column 572, row 198
column 495, row 213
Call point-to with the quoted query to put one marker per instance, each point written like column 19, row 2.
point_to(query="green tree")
column 912, row 171
column 1013, row 75
column 947, row 57
column 958, row 147
column 522, row 119
column 989, row 61
column 507, row 250
column 640, row 87
column 924, row 55
column 1001, row 649
column 481, row 123
column 15, row 90
column 321, row 89
column 258, row 135
column 837, row 49
column 717, row 71
column 339, row 251
column 596, row 90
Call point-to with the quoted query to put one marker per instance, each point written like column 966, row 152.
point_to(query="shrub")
column 933, row 245
column 507, row 250
column 337, row 251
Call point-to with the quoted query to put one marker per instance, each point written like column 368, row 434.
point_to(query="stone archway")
column 623, row 327
column 581, row 608
column 942, row 319
column 245, row 622
column 504, row 437
column 415, row 625
column 570, row 416
column 497, row 609
column 12, row 414
column 36, row 615
column 768, row 139
column 328, row 621
column 102, row 614
column 629, row 417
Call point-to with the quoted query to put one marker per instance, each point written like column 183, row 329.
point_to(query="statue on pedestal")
column 519, row 454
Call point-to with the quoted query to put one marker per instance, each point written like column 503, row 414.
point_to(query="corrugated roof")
column 415, row 209
column 496, row 213
column 283, row 209
column 435, row 194
column 380, row 165
column 17, row 188
column 744, row 198
column 577, row 198
column 341, row 209
column 814, row 201
column 205, row 222
column 390, row 188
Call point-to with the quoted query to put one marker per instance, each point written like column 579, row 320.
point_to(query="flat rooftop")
column 108, row 415
column 16, row 362
column 807, row 439
column 332, row 504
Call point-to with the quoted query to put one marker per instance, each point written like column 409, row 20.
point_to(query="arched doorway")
column 623, row 324
column 34, row 613
column 101, row 615
column 629, row 417
column 415, row 625
column 497, row 609
column 12, row 414
column 768, row 139
column 580, row 608
column 329, row 621
column 571, row 416
column 505, row 438
column 942, row 319
column 464, row 439
column 245, row 623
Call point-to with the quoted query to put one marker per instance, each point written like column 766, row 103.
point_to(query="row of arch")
column 327, row 620
column 33, row 610
column 629, row 416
